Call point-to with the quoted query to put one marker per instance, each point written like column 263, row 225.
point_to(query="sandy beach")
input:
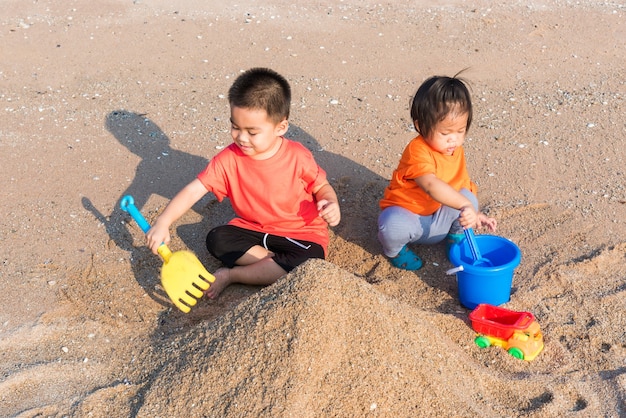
column 104, row 99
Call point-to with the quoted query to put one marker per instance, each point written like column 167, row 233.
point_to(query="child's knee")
column 471, row 197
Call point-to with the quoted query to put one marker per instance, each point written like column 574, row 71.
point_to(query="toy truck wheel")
column 482, row 341
column 516, row 352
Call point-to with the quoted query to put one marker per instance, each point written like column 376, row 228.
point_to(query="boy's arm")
column 327, row 204
column 181, row 203
column 443, row 193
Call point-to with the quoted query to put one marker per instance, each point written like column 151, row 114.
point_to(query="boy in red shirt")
column 430, row 195
column 280, row 195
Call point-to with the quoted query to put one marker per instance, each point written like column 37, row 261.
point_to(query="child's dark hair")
column 436, row 98
column 262, row 89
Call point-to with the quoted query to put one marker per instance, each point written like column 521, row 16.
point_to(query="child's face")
column 449, row 134
column 254, row 133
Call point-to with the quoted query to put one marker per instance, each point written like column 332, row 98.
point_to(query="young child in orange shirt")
column 280, row 195
column 430, row 195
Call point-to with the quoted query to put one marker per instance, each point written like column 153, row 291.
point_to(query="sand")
column 104, row 99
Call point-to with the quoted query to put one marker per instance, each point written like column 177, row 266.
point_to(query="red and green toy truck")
column 516, row 332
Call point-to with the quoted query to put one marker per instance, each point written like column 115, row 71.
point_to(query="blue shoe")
column 406, row 260
column 452, row 240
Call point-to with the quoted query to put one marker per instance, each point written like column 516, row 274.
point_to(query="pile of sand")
column 322, row 342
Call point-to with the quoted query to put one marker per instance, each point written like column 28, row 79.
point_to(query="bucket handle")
column 454, row 270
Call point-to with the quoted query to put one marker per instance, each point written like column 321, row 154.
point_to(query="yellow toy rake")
column 183, row 276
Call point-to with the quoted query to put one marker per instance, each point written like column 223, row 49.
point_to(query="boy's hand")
column 329, row 211
column 484, row 220
column 156, row 236
column 468, row 217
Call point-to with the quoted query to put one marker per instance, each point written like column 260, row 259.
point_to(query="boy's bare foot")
column 222, row 279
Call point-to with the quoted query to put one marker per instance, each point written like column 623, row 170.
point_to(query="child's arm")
column 181, row 203
column 443, row 193
column 327, row 204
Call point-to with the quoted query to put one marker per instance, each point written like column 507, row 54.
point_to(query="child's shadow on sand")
column 163, row 171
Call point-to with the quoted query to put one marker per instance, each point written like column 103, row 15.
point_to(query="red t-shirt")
column 273, row 196
column 417, row 160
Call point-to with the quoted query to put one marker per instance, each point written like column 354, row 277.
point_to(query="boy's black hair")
column 436, row 98
column 262, row 89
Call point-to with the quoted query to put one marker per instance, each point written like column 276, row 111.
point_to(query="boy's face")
column 449, row 134
column 254, row 133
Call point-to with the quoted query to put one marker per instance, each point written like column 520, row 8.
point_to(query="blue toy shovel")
column 183, row 276
column 478, row 259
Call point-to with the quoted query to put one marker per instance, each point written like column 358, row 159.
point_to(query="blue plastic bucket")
column 486, row 284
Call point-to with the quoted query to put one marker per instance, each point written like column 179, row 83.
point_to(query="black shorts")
column 228, row 243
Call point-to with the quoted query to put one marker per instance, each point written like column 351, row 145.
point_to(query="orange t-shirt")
column 417, row 160
column 273, row 196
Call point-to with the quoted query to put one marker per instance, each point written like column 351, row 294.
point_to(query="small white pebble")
column 334, row 102
column 373, row 406
column 65, row 349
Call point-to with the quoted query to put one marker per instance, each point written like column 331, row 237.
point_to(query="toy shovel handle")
column 128, row 205
column 469, row 235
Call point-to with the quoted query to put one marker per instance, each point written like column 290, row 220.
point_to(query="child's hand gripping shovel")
column 183, row 276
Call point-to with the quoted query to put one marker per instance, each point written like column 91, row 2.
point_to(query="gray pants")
column 398, row 226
